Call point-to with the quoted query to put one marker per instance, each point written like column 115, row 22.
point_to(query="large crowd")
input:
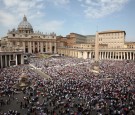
column 73, row 90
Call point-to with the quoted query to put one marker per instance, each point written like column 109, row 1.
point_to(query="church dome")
column 25, row 26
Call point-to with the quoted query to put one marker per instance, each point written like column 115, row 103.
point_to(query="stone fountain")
column 23, row 81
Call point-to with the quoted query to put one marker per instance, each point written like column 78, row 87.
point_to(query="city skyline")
column 66, row 16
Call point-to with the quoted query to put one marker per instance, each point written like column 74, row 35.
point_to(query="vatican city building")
column 111, row 45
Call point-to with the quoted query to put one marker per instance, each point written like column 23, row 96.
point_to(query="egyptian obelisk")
column 96, row 60
column 97, row 48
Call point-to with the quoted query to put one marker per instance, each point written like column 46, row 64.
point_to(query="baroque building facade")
column 24, row 40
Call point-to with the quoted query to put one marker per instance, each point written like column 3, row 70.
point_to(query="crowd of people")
column 73, row 90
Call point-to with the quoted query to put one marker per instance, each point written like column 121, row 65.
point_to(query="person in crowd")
column 73, row 90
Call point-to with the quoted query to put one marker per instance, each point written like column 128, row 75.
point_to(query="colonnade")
column 38, row 46
column 7, row 59
column 106, row 55
column 120, row 55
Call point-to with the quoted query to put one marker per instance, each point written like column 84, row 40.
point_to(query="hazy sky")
column 66, row 16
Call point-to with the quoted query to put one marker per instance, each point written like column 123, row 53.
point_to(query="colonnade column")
column 112, row 55
column 55, row 51
column 46, row 47
column 5, row 60
column 9, row 59
column 85, row 55
column 79, row 54
column 118, row 55
column 130, row 56
column 99, row 55
column 38, row 46
column 102, row 55
column 33, row 47
column 121, row 55
column 127, row 56
column 124, row 55
column 22, row 59
column 105, row 56
column 41, row 47
column 29, row 47
column 108, row 55
column 23, row 46
column 1, row 61
column 50, row 47
column 16, row 59
column 76, row 54
column 90, row 55
column 133, row 56
column 115, row 55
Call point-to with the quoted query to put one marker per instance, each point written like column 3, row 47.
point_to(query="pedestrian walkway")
column 38, row 70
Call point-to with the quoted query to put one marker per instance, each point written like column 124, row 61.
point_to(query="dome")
column 25, row 26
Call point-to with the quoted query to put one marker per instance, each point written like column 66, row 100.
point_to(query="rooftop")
column 111, row 31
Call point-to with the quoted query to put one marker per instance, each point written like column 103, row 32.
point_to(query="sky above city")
column 66, row 16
